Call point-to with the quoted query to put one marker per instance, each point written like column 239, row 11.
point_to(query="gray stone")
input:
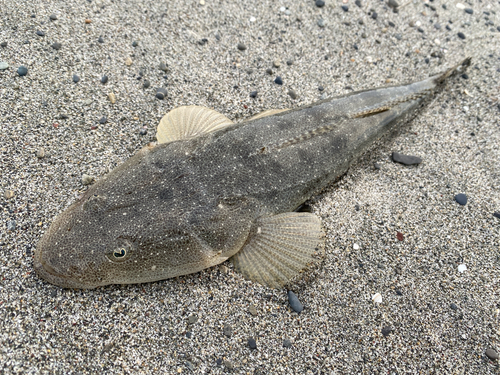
column 406, row 159
column 3, row 65
column 86, row 179
column 294, row 302
column 491, row 354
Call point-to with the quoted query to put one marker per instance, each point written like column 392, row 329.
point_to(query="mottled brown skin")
column 180, row 207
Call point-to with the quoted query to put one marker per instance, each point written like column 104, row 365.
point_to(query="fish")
column 210, row 190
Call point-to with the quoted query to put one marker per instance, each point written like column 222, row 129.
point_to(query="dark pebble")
column 76, row 79
column 358, row 3
column 320, row 3
column 461, row 35
column 40, row 33
column 399, row 293
column 287, row 343
column 465, row 76
column 427, row 60
column 374, row 15
column 269, row 71
column 103, row 120
column 355, row 46
column 294, row 302
column 146, row 84
column 461, row 199
column 448, row 27
column 143, row 131
column 498, row 28
column 398, row 36
column 104, row 79
column 135, row 43
column 345, row 8
column 405, row 159
column 251, row 343
column 392, row 24
column 289, row 62
column 163, row 67
column 203, row 41
column 497, row 214
column 278, row 80
column 386, row 331
column 253, row 94
column 57, row 46
column 437, row 26
column 444, row 6
column 376, row 165
column 420, row 30
column 100, row 40
column 22, row 71
column 393, row 3
column 219, row 361
column 469, row 10
column 161, row 93
column 292, row 94
column 491, row 354
column 454, row 307
column 321, row 88
column 304, row 207
column 228, row 330
column 241, row 47
column 3, row 44
column 53, row 17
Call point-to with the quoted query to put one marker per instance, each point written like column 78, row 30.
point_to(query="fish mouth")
column 47, row 272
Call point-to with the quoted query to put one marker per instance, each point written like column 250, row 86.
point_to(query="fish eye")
column 121, row 250
column 120, row 253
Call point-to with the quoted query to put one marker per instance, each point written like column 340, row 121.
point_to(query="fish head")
column 126, row 231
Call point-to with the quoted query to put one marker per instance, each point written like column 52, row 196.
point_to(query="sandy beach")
column 391, row 229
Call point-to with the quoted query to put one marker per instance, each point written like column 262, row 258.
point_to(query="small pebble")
column 241, row 47
column 461, row 35
column 465, row 76
column 437, row 26
column 57, row 46
column 276, row 63
column 228, row 330
column 386, row 331
column 3, row 65
column 135, row 43
column 377, row 298
column 189, row 365
column 345, row 8
column 269, row 71
column 228, row 364
column 100, row 40
column 146, row 84
column 320, row 3
column 40, row 33
column 163, row 67
column 355, row 246
column 253, row 94
column 358, row 3
column 22, row 71
column 143, row 131
column 192, row 319
column 8, row 194
column 104, row 79
column 454, row 307
column 292, row 94
column 11, row 225
column 128, row 61
column 400, row 236
column 321, row 22
column 497, row 214
column 462, row 268
column 76, row 79
column 393, row 3
column 3, row 44
column 278, row 80
column 161, row 93
column 86, row 179
column 287, row 343
column 251, row 343
column 461, row 199
column 376, row 166
column 374, row 15
column 294, row 302
column 469, row 10
column 252, row 310
column 40, row 153
column 103, row 120
column 491, row 354
column 406, row 159
column 289, row 62
column 53, row 17
column 112, row 98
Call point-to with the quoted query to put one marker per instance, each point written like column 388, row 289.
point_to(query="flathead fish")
column 211, row 190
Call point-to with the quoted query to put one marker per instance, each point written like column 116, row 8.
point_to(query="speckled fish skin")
column 184, row 206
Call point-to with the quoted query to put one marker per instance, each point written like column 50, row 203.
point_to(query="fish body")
column 212, row 190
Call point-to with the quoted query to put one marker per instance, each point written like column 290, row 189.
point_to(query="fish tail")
column 459, row 68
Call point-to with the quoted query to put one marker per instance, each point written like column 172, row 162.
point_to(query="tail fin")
column 453, row 70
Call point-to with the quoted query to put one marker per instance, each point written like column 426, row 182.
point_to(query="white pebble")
column 437, row 42
column 460, row 6
column 462, row 268
column 355, row 246
column 466, row 108
column 253, row 19
column 377, row 298
column 282, row 9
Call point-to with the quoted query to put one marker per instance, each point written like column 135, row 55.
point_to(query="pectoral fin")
column 189, row 122
column 279, row 247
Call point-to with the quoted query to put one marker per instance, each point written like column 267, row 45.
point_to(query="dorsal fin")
column 269, row 112
column 188, row 122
